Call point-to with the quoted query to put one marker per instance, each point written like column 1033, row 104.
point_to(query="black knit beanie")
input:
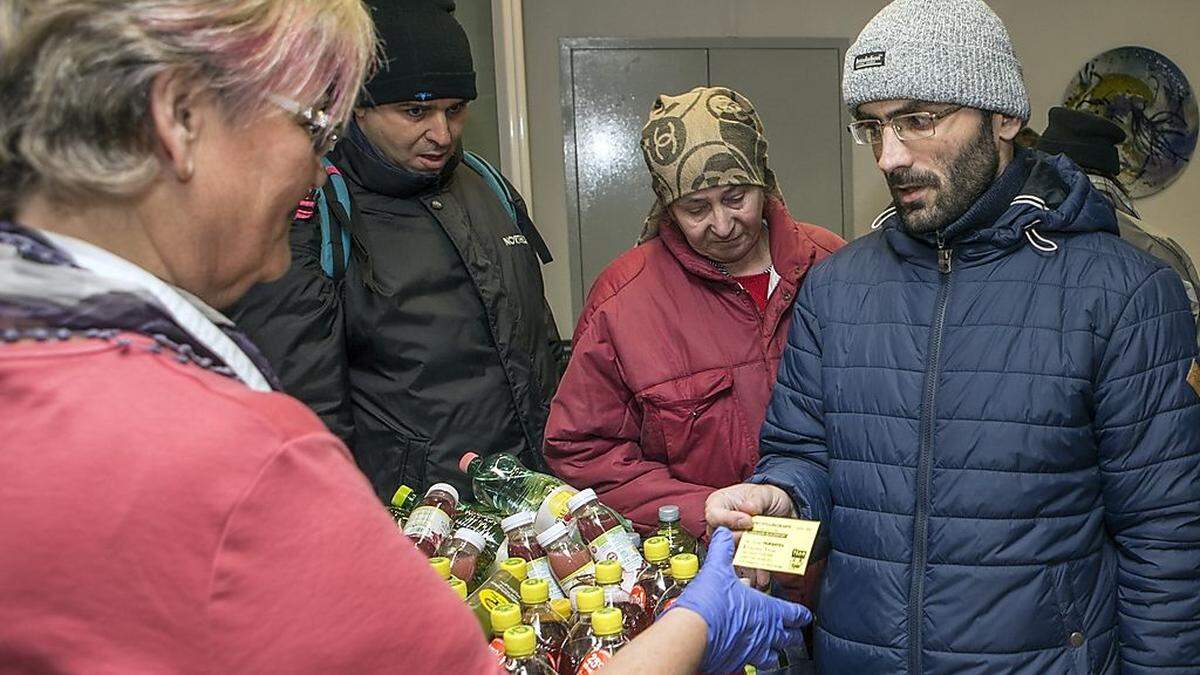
column 426, row 53
column 1090, row 140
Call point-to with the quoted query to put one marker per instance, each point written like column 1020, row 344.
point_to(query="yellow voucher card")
column 777, row 545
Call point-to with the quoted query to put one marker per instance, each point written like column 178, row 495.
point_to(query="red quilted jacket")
column 671, row 372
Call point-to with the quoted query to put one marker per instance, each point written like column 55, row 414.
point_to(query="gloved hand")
column 744, row 625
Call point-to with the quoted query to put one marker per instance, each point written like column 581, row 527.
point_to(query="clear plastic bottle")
column 484, row 521
column 430, row 522
column 656, row 578
column 536, row 612
column 468, row 557
column 404, row 500
column 680, row 540
column 609, row 638
column 502, row 618
column 520, row 650
column 608, row 578
column 581, row 640
column 503, row 483
column 684, row 568
column 441, row 565
column 501, row 587
column 570, row 561
column 522, row 543
column 605, row 535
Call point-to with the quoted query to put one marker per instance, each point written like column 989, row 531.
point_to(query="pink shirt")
column 157, row 517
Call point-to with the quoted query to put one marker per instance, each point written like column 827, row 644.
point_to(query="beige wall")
column 1052, row 37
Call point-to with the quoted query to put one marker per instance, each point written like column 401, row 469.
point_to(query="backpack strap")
column 512, row 203
column 334, row 210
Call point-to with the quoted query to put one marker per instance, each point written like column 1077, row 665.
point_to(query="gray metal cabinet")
column 608, row 87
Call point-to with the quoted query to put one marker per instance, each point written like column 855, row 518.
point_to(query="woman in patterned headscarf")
column 676, row 349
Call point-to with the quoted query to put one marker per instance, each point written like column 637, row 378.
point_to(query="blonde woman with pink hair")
column 163, row 509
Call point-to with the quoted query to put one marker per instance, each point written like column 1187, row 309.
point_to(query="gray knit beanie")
column 941, row 51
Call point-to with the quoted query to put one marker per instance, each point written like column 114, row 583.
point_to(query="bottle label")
column 540, row 569
column 639, row 596
column 593, row 662
column 427, row 520
column 497, row 648
column 577, row 577
column 617, row 545
column 666, row 605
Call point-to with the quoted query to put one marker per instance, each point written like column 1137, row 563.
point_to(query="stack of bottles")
column 558, row 581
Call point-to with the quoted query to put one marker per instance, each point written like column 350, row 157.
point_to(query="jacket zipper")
column 916, row 597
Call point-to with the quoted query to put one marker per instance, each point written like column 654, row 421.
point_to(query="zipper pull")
column 945, row 256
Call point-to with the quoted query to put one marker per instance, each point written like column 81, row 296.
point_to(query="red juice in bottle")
column 581, row 640
column 430, row 522
column 604, row 534
column 654, row 580
column 503, row 617
column 465, row 550
column 607, row 627
column 522, row 543
column 550, row 626
column 684, row 568
column 608, row 578
column 570, row 561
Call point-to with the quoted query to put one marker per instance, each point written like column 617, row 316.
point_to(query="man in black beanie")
column 1091, row 141
column 434, row 337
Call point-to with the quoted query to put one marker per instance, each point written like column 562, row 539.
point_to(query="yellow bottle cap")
column 608, row 572
column 684, row 566
column 607, row 621
column 516, row 567
column 657, row 549
column 519, row 642
column 460, row 587
column 589, row 599
column 400, row 495
column 505, row 616
column 561, row 607
column 534, row 591
column 441, row 566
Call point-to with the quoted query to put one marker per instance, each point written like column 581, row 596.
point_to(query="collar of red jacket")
column 793, row 251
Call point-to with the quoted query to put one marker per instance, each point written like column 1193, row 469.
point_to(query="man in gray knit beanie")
column 991, row 403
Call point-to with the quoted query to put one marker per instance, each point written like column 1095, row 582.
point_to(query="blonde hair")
column 77, row 76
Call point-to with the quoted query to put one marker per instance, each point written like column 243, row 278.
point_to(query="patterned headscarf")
column 707, row 137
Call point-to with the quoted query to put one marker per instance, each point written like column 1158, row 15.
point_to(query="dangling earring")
column 189, row 169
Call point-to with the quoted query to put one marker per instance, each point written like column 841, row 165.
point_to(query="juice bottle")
column 683, row 569
column 522, row 543
column 605, row 536
column 570, row 561
column 654, row 580
column 430, row 522
column 468, row 561
column 580, row 639
column 404, row 500
column 520, row 651
column 564, row 609
column 459, row 587
column 484, row 521
column 502, row 617
column 441, row 565
column 551, row 628
column 503, row 483
column 608, row 578
column 504, row 585
column 668, row 526
column 609, row 637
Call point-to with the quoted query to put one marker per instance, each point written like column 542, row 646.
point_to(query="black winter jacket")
column 438, row 339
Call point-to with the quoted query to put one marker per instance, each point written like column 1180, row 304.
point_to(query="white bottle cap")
column 580, row 499
column 444, row 487
column 553, row 533
column 471, row 537
column 517, row 520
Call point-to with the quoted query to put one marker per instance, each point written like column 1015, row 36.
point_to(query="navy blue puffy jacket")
column 1007, row 454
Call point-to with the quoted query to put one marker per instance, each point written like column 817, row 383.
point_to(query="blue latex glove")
column 744, row 625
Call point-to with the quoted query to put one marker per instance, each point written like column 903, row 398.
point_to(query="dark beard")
column 969, row 175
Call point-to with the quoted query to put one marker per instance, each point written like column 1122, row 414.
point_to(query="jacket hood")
column 1037, row 197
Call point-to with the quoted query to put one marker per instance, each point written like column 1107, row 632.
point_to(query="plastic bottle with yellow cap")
column 502, row 618
column 588, row 599
column 404, row 500
column 564, row 609
column 503, row 586
column 520, row 653
column 608, row 577
column 459, row 587
column 656, row 577
column 536, row 612
column 608, row 628
column 684, row 568
column 441, row 565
